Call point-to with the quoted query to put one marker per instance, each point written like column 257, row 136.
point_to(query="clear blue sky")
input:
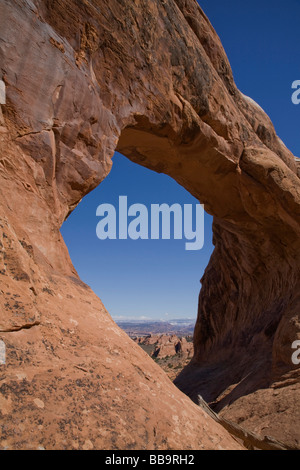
column 159, row 279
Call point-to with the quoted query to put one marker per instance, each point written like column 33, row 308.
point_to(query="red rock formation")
column 166, row 346
column 152, row 81
column 185, row 348
column 152, row 339
column 169, row 345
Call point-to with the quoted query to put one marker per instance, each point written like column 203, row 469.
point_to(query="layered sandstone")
column 152, row 80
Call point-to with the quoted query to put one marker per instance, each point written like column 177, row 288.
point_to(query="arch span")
column 150, row 79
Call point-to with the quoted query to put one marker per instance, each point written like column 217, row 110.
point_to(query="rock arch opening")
column 151, row 80
column 150, row 279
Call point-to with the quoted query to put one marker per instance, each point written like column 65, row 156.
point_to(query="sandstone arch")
column 152, row 80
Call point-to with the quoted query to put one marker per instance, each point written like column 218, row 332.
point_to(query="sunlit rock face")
column 151, row 80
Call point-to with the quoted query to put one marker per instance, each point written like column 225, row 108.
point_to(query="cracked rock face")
column 151, row 80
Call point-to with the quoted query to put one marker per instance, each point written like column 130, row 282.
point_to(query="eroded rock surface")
column 151, row 80
column 171, row 346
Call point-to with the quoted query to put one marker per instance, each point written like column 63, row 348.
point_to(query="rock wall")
column 151, row 80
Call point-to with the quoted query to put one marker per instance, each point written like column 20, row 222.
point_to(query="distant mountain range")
column 179, row 327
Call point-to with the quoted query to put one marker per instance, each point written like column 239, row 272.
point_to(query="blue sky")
column 261, row 39
column 159, row 279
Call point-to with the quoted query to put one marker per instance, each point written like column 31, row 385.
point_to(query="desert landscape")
column 171, row 353
column 169, row 344
column 81, row 80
